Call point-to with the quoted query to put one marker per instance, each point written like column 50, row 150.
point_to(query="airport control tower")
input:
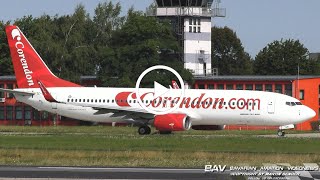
column 191, row 20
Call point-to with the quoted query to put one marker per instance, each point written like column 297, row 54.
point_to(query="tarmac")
column 304, row 135
column 16, row 172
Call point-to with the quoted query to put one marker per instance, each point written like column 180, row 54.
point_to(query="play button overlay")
column 159, row 90
column 159, row 100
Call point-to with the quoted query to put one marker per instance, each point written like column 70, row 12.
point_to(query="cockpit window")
column 292, row 103
column 288, row 103
column 298, row 103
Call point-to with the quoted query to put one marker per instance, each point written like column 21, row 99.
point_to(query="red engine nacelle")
column 172, row 122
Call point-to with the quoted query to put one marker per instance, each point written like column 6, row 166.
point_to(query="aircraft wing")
column 23, row 93
column 128, row 114
column 118, row 111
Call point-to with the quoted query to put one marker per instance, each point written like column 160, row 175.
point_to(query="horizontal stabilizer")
column 17, row 92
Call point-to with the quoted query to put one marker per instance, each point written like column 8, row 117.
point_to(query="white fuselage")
column 204, row 107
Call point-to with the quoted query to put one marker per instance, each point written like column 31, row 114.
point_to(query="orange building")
column 304, row 88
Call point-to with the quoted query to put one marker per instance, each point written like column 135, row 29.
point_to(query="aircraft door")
column 271, row 106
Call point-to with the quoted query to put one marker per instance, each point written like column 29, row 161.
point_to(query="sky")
column 256, row 22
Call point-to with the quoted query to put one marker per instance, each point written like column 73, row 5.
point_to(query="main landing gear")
column 143, row 130
column 281, row 133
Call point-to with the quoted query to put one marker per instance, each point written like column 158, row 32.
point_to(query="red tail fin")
column 28, row 65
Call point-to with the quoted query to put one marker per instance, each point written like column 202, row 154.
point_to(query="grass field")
column 121, row 146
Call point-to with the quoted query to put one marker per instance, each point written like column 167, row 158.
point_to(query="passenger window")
column 71, row 100
column 104, row 101
column 79, row 100
column 92, row 100
column 68, row 100
column 88, row 100
column 112, row 100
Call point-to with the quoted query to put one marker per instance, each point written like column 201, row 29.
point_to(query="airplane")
column 200, row 108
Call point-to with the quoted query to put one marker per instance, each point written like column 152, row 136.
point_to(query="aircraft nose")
column 309, row 113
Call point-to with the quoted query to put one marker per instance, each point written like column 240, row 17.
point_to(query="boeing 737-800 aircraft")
column 41, row 89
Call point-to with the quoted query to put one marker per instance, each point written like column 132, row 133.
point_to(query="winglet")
column 175, row 85
column 46, row 93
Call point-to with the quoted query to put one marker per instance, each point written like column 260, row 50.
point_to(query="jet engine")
column 172, row 122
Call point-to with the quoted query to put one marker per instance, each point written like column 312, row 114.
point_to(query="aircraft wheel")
column 281, row 133
column 143, row 130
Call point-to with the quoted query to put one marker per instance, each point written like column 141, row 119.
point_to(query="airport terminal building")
column 306, row 89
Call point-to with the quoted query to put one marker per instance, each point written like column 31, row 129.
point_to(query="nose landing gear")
column 281, row 133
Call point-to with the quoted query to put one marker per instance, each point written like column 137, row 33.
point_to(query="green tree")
column 64, row 42
column 5, row 59
column 141, row 43
column 283, row 58
column 228, row 54
column 106, row 20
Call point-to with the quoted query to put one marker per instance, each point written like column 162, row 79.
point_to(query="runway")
column 299, row 135
column 106, row 173
column 62, row 173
